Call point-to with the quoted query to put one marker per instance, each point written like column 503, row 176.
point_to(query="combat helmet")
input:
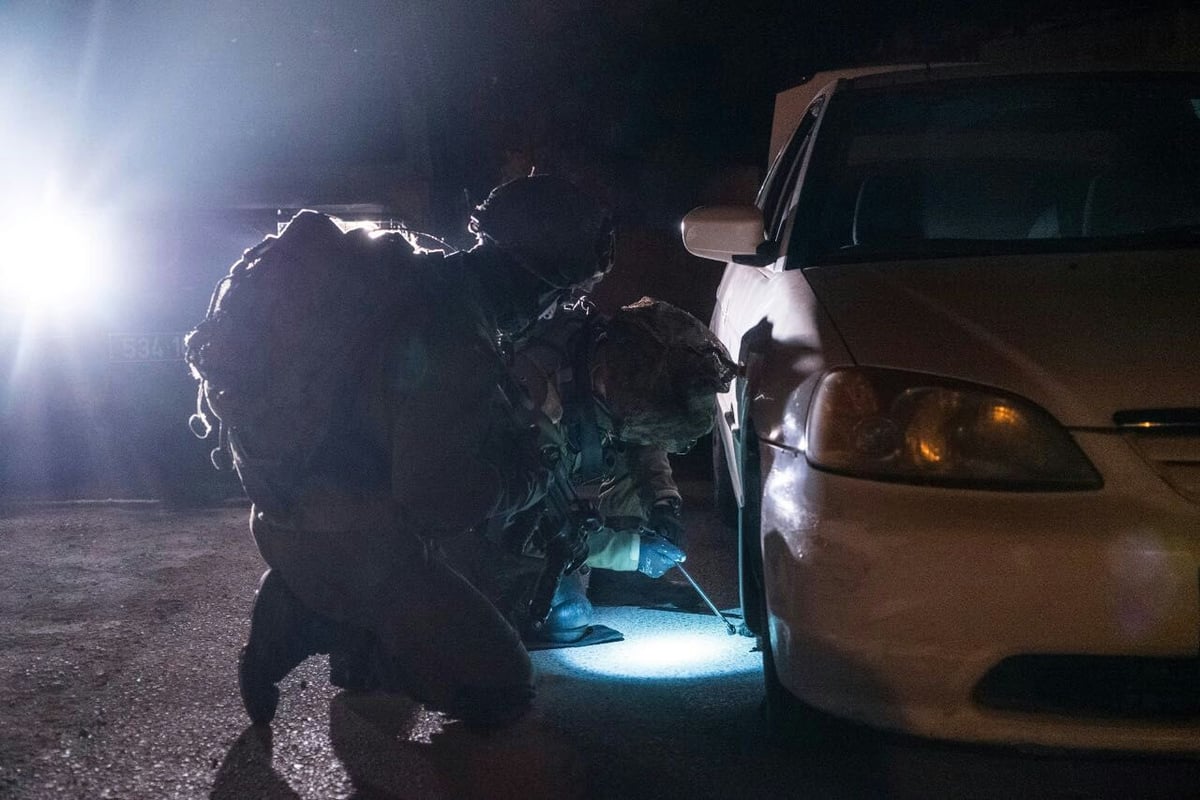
column 663, row 369
column 551, row 227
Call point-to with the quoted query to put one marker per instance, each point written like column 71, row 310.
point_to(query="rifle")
column 567, row 520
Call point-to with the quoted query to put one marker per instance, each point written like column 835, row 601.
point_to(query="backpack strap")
column 579, row 405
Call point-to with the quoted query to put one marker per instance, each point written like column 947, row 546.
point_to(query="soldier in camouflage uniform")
column 650, row 373
column 422, row 452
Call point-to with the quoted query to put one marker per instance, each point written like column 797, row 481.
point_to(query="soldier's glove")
column 656, row 555
column 665, row 520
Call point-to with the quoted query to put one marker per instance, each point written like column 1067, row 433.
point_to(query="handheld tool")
column 732, row 631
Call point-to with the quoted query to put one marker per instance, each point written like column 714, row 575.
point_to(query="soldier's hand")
column 666, row 520
column 656, row 555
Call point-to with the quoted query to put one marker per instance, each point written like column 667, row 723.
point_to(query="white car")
column 966, row 445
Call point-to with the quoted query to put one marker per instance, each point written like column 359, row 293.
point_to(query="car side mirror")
column 724, row 233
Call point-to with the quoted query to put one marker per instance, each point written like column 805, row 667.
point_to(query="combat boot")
column 570, row 615
column 283, row 633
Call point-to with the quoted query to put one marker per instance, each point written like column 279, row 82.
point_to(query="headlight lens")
column 899, row 426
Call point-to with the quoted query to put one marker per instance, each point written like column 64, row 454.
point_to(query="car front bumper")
column 897, row 605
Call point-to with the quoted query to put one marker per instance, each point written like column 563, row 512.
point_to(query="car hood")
column 1084, row 336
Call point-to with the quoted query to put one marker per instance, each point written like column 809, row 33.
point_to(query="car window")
column 776, row 192
column 1024, row 163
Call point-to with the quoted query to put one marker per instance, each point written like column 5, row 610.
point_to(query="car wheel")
column 724, row 500
column 747, row 523
column 788, row 720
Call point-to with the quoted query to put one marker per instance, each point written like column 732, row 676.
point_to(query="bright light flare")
column 52, row 263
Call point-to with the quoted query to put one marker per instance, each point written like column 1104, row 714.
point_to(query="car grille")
column 1125, row 687
column 1169, row 440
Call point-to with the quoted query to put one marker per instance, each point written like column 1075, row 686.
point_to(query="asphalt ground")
column 121, row 625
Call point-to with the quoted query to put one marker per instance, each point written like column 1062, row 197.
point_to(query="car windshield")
column 1015, row 164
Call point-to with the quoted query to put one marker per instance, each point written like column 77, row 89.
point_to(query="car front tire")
column 724, row 500
column 788, row 720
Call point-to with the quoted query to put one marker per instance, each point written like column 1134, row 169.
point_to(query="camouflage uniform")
column 638, row 475
column 422, row 450
column 635, row 475
column 356, row 549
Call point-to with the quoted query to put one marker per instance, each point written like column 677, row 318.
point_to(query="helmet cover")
column 664, row 368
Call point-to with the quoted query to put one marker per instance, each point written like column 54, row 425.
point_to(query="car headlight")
column 900, row 426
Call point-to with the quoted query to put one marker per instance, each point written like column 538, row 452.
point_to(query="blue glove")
column 656, row 555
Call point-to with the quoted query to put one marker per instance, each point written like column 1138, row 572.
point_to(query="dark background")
column 196, row 121
column 426, row 105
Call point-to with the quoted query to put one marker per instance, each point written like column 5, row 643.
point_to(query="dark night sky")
column 190, row 95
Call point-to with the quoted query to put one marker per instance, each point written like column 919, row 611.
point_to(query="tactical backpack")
column 279, row 347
